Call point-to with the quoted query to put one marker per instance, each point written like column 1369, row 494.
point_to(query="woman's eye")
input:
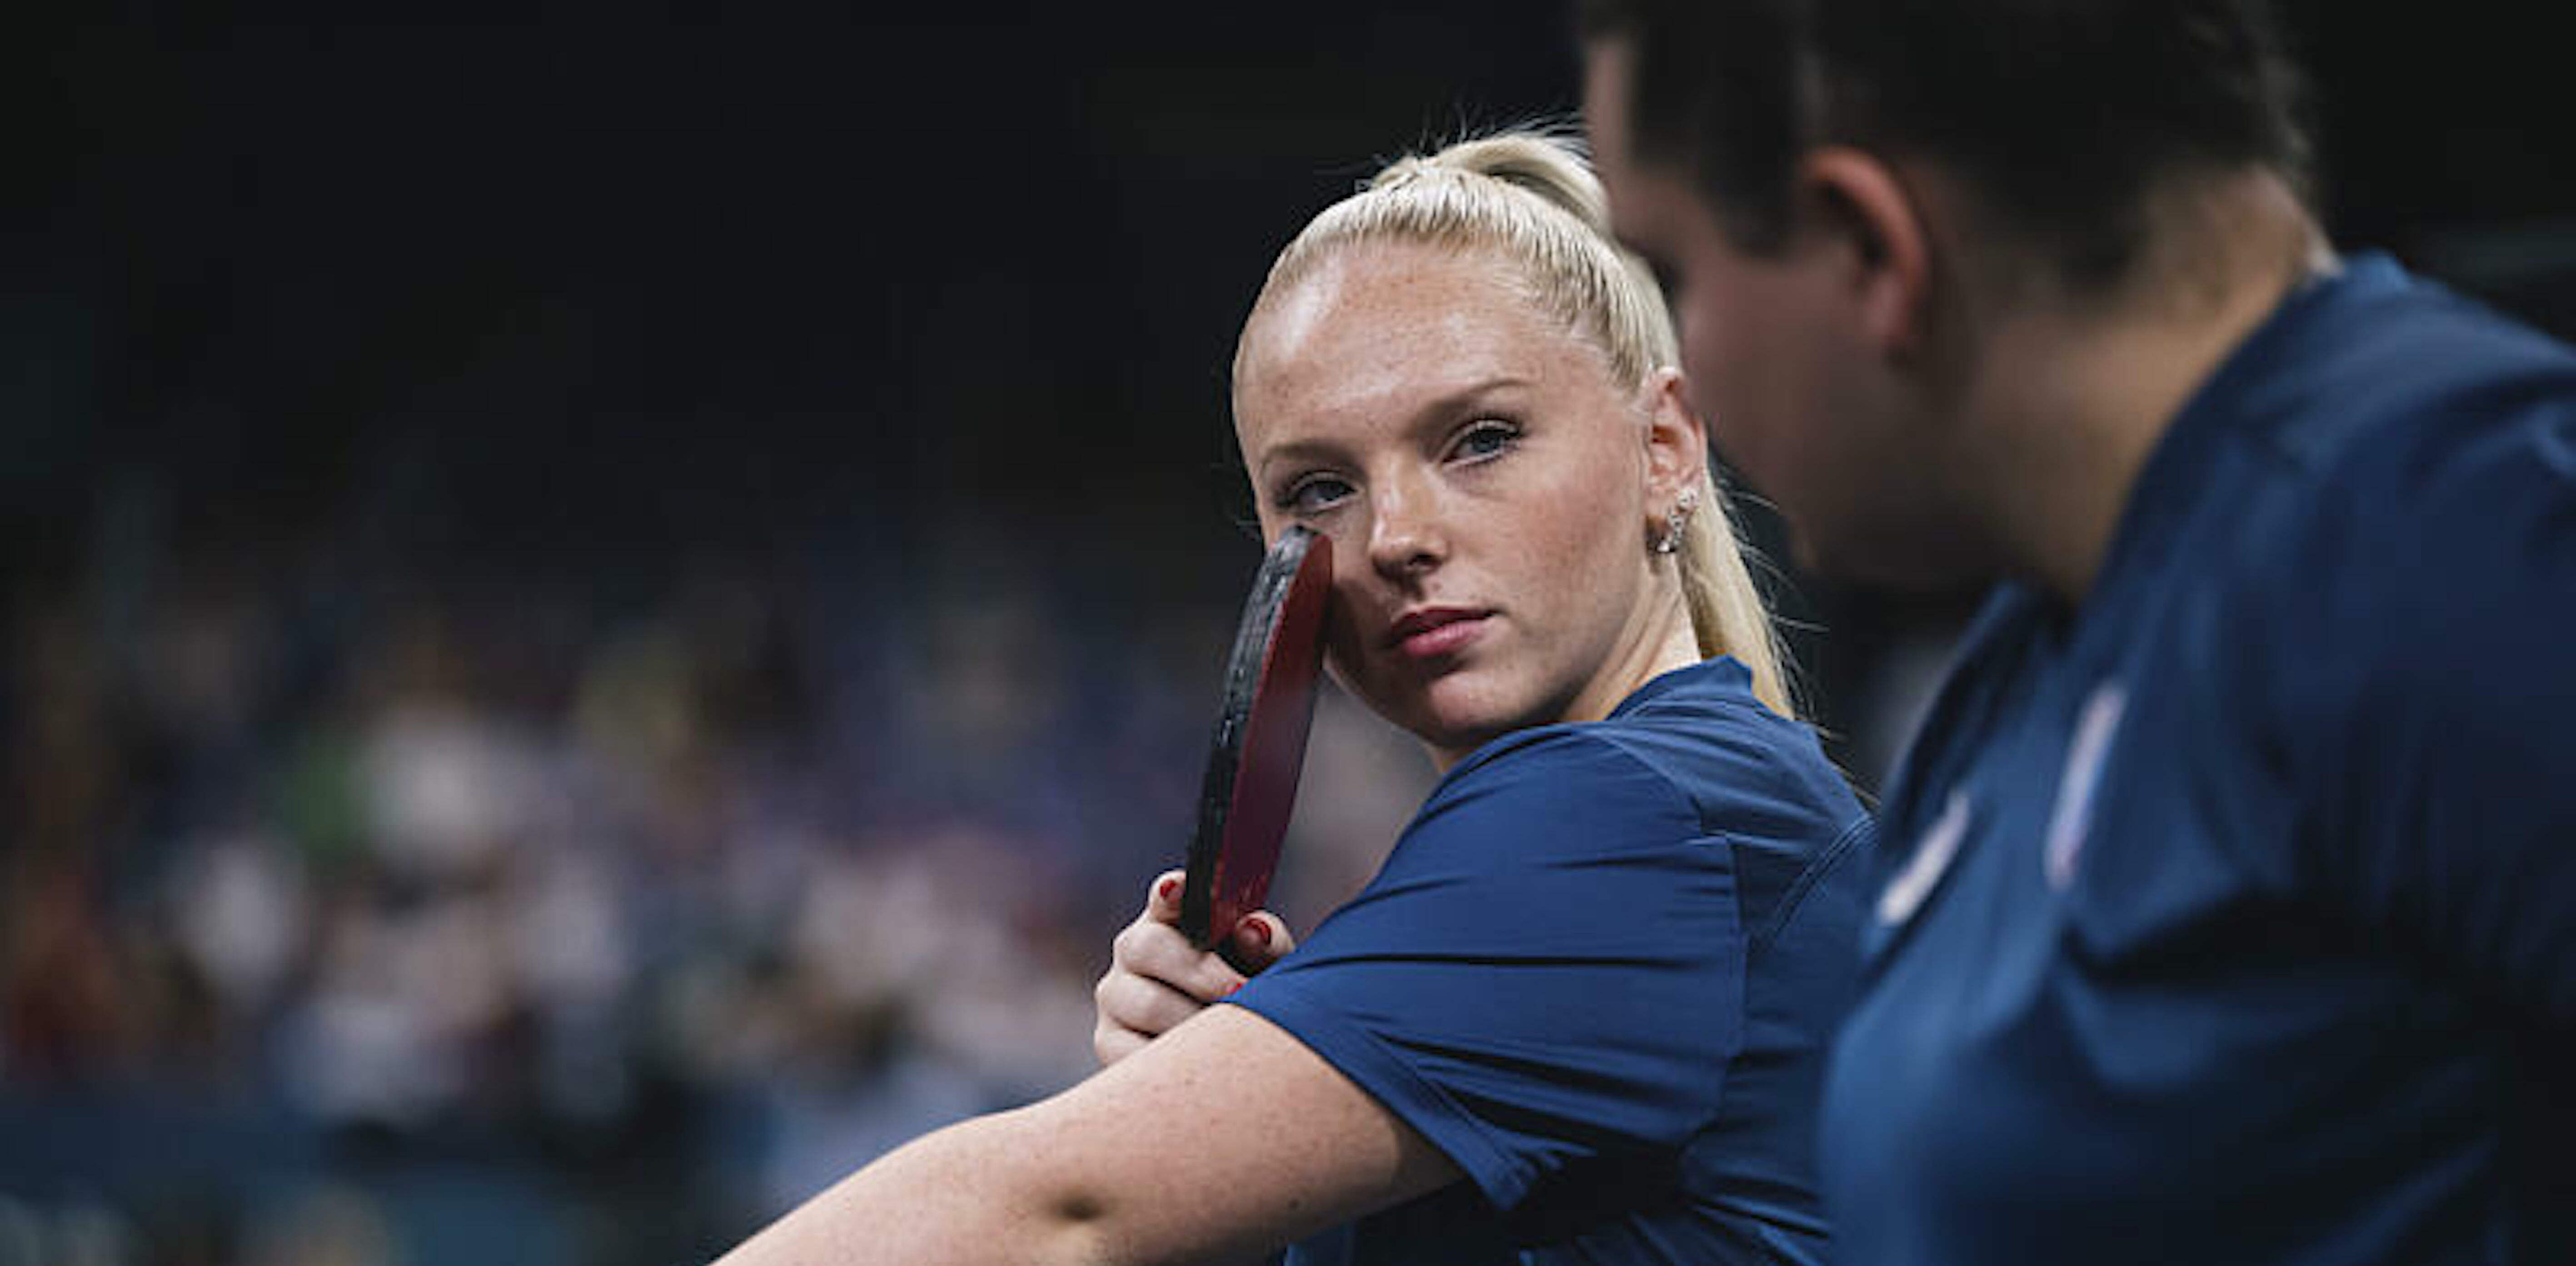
column 1313, row 495
column 1485, row 439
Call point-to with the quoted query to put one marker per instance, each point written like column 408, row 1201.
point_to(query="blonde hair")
column 1530, row 196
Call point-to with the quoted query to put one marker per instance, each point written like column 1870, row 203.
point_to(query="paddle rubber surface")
column 1260, row 743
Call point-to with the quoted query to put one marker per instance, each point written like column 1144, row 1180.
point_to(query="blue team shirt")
column 1598, row 971
column 2232, row 917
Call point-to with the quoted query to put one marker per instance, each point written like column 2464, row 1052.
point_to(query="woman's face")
column 1484, row 483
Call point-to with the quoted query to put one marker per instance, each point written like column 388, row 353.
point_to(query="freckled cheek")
column 1345, row 620
column 1361, row 668
column 1343, row 660
column 1572, row 531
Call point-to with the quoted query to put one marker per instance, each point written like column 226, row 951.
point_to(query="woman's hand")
column 1157, row 979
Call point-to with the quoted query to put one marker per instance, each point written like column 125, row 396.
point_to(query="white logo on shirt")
column 2073, row 816
column 1905, row 893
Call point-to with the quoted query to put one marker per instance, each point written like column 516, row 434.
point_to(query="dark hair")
column 2061, row 115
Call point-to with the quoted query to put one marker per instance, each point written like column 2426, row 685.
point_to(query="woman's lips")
column 1433, row 633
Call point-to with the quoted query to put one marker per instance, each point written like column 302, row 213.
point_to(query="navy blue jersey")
column 2231, row 917
column 1598, row 971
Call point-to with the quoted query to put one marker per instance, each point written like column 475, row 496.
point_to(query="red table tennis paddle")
column 1260, row 743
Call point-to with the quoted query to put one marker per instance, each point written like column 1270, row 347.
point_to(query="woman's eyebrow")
column 1435, row 411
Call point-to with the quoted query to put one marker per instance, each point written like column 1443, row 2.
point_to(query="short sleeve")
column 1547, row 971
column 2434, row 729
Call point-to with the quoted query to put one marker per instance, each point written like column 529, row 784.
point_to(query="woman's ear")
column 1676, row 441
column 1865, row 206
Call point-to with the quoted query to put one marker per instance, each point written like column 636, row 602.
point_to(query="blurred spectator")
column 673, row 907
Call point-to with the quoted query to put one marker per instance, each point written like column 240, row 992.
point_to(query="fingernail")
column 1229, row 989
column 1170, row 888
column 1259, row 932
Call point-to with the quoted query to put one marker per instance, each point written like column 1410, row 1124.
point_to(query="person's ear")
column 1859, row 200
column 1676, row 440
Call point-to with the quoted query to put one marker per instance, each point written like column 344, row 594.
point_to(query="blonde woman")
column 1579, row 1013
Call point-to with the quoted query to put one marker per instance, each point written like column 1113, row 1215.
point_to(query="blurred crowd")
column 360, row 910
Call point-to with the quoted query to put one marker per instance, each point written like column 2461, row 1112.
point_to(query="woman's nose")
column 1405, row 538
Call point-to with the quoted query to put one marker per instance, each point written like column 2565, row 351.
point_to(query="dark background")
column 781, row 460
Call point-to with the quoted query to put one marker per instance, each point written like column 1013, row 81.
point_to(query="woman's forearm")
column 976, row 1192
column 1221, row 1139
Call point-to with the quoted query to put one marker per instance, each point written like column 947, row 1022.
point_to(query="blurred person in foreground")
column 2227, row 892
column 1579, row 1014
